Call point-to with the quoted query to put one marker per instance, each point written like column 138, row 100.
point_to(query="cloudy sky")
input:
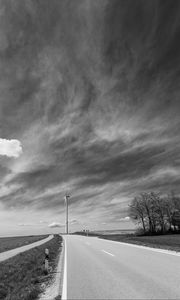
column 89, row 104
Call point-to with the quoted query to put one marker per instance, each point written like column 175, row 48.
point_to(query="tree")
column 137, row 212
column 159, row 212
column 149, row 211
column 156, row 213
column 172, row 209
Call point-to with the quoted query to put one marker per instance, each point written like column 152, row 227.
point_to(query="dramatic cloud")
column 91, row 89
column 10, row 148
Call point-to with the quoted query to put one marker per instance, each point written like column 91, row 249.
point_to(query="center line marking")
column 107, row 252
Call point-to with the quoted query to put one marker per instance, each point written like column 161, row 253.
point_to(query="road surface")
column 10, row 253
column 100, row 269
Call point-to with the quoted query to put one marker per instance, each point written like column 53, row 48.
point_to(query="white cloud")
column 55, row 224
column 73, row 222
column 42, row 222
column 125, row 219
column 10, row 148
column 26, row 224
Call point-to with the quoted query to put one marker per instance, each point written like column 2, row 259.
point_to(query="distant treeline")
column 155, row 213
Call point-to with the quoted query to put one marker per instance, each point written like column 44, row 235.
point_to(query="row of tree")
column 155, row 213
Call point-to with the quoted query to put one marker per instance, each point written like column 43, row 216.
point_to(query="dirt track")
column 10, row 253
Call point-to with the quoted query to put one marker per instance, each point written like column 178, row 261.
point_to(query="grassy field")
column 169, row 241
column 7, row 243
column 22, row 277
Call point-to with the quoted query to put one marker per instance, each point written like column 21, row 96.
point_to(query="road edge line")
column 64, row 289
column 164, row 251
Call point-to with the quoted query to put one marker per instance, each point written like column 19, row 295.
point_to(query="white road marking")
column 164, row 251
column 64, row 289
column 107, row 252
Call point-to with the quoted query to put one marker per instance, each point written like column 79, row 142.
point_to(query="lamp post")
column 66, row 202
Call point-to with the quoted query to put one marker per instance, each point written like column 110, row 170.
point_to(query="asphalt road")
column 101, row 269
column 10, row 253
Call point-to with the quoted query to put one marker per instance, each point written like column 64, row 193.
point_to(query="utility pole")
column 66, row 202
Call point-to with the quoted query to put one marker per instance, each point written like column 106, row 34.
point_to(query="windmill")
column 66, row 197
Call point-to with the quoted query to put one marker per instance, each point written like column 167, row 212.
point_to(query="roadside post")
column 46, row 261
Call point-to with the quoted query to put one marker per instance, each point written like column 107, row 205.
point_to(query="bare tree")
column 137, row 212
column 154, row 212
column 158, row 212
column 149, row 211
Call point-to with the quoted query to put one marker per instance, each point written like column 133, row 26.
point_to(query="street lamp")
column 66, row 202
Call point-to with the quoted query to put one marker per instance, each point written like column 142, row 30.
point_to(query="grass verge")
column 23, row 277
column 168, row 242
column 8, row 243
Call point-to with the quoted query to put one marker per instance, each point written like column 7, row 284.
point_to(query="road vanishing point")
column 102, row 269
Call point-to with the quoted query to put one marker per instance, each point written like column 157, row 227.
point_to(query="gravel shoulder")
column 54, row 289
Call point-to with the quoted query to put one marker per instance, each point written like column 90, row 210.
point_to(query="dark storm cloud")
column 141, row 48
column 91, row 89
